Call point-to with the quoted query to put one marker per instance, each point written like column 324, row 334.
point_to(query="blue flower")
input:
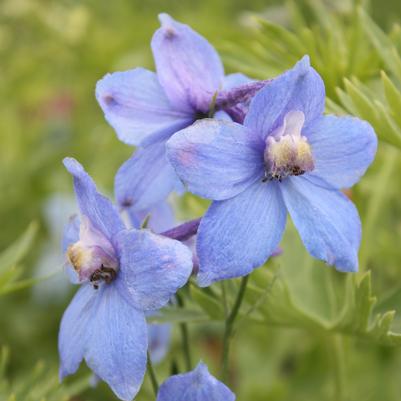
column 124, row 273
column 146, row 108
column 287, row 156
column 198, row 385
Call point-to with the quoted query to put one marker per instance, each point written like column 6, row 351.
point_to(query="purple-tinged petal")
column 145, row 179
column 75, row 329
column 233, row 80
column 239, row 234
column 97, row 208
column 188, row 67
column 71, row 232
column 216, row 159
column 152, row 268
column 327, row 221
column 300, row 88
column 116, row 349
column 197, row 385
column 159, row 336
column 136, row 106
column 342, row 147
column 70, row 236
column 161, row 217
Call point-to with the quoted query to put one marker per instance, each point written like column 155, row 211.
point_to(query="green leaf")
column 16, row 252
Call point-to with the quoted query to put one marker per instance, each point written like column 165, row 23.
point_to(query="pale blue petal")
column 188, row 67
column 239, row 234
column 97, row 208
column 222, row 115
column 161, row 217
column 152, row 268
column 136, row 106
column 300, row 88
column 116, row 349
column 197, row 385
column 70, row 236
column 145, row 179
column 216, row 159
column 159, row 337
column 342, row 147
column 71, row 232
column 75, row 329
column 327, row 221
column 233, row 80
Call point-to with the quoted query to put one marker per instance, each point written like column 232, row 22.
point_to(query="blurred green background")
column 316, row 334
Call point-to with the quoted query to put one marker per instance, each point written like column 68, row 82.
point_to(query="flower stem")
column 228, row 329
column 185, row 337
column 337, row 349
column 152, row 376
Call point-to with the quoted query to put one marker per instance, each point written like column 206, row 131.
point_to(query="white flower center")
column 287, row 152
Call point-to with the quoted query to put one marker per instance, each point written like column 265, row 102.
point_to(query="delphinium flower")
column 287, row 156
column 146, row 108
column 124, row 273
column 198, row 385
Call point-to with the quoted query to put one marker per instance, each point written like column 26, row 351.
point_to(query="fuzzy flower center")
column 287, row 152
column 93, row 256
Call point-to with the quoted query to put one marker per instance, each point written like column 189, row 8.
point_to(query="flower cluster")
column 257, row 149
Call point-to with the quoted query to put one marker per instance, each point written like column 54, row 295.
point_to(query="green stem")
column 152, row 376
column 185, row 337
column 229, row 325
column 338, row 355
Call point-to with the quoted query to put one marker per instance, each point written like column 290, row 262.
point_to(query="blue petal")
column 152, row 268
column 216, row 159
column 71, row 232
column 75, row 329
column 136, row 106
column 116, row 350
column 97, row 208
column 327, row 221
column 343, row 148
column 161, row 217
column 197, row 385
column 300, row 88
column 145, row 179
column 188, row 67
column 240, row 234
column 159, row 336
column 233, row 80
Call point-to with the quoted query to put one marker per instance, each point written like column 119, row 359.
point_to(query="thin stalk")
column 152, row 376
column 185, row 337
column 338, row 355
column 229, row 325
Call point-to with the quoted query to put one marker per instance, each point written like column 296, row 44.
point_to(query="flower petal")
column 327, row 221
column 136, row 106
column 342, row 147
column 233, row 80
column 75, row 329
column 239, row 234
column 145, row 179
column 188, row 67
column 97, row 208
column 197, row 385
column 300, row 88
column 152, row 268
column 116, row 349
column 216, row 159
column 159, row 337
column 161, row 217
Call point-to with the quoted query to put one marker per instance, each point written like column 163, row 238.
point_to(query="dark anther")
column 127, row 202
column 106, row 274
column 200, row 115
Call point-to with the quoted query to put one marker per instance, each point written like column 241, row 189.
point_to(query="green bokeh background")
column 51, row 55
